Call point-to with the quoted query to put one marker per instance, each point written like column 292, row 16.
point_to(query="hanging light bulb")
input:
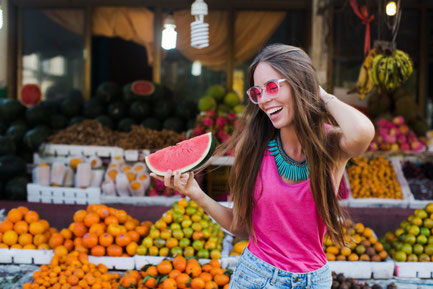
column 169, row 34
column 199, row 29
column 196, row 68
column 1, row 17
column 391, row 8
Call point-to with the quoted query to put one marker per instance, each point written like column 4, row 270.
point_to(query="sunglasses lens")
column 254, row 94
column 272, row 88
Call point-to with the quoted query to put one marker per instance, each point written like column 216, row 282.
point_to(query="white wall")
column 3, row 46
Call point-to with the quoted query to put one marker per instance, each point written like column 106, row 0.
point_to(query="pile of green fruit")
column 413, row 241
column 185, row 230
column 221, row 101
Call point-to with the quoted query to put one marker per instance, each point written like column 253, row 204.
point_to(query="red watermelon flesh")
column 31, row 94
column 184, row 156
column 142, row 87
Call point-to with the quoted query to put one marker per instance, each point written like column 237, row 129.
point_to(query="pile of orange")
column 361, row 245
column 178, row 273
column 23, row 229
column 373, row 178
column 102, row 231
column 72, row 270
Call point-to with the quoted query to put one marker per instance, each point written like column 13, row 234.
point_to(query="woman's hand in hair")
column 185, row 183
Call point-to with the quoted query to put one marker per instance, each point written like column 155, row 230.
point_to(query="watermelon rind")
column 198, row 163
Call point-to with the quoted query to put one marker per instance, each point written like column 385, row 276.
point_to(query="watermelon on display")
column 31, row 94
column 139, row 110
column 125, row 124
column 108, row 92
column 11, row 109
column 117, row 110
column 93, row 108
column 71, row 106
column 7, row 146
column 16, row 132
column 152, row 123
column 142, row 87
column 37, row 114
column 76, row 120
column 58, row 121
column 16, row 189
column 105, row 120
column 184, row 156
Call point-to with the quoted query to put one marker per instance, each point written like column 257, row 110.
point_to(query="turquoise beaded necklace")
column 288, row 167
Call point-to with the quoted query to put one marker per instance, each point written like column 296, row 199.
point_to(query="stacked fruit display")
column 362, row 246
column 395, row 135
column 102, row 231
column 178, row 273
column 238, row 247
column 124, row 179
column 73, row 270
column 373, row 178
column 185, row 230
column 23, row 229
column 339, row 281
column 216, row 98
column 222, row 126
column 420, row 179
column 413, row 241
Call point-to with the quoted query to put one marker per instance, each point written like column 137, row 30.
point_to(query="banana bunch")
column 390, row 71
column 365, row 83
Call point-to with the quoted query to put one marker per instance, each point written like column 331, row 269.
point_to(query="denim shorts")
column 254, row 273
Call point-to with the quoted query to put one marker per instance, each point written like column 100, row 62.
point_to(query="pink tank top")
column 288, row 228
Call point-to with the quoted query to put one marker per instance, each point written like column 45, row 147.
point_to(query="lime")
column 424, row 258
column 409, row 238
column 418, row 249
column 147, row 242
column 196, row 227
column 196, row 218
column 420, row 213
column 165, row 234
column 159, row 243
column 186, row 223
column 422, row 239
column 403, row 224
column 400, row 256
column 176, row 251
column 429, row 208
column 141, row 250
column 203, row 254
column 206, row 233
column 414, row 230
column 197, row 245
column 425, row 231
column 429, row 249
column 188, row 232
column 177, row 217
column 163, row 252
column 215, row 254
column 154, row 234
column 193, row 204
column 428, row 223
column 153, row 251
column 407, row 248
column 417, row 221
column 175, row 226
column 399, row 232
column 178, row 234
column 183, row 243
column 191, row 210
column 188, row 252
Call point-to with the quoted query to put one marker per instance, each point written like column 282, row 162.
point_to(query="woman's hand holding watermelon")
column 185, row 183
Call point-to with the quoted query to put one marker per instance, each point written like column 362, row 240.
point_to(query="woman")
column 288, row 163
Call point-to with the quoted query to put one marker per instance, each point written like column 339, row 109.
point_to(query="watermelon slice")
column 142, row 87
column 184, row 156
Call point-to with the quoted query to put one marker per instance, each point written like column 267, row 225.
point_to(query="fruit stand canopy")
column 252, row 30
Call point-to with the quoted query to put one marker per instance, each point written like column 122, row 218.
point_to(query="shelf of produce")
column 364, row 269
column 140, row 201
column 414, row 269
column 62, row 195
column 74, row 150
column 383, row 203
column 24, row 256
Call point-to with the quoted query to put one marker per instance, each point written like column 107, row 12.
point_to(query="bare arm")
column 188, row 186
column 356, row 128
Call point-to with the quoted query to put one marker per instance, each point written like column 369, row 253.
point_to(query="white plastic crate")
column 140, row 201
column 364, row 269
column 383, row 203
column 114, row 263
column 62, row 195
column 414, row 269
column 76, row 150
column 135, row 155
column 24, row 256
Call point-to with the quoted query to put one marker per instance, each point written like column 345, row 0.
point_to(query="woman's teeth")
column 274, row 110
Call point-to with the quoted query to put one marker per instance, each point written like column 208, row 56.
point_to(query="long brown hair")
column 250, row 142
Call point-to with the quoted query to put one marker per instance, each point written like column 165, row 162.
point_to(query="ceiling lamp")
column 199, row 29
column 391, row 8
column 169, row 34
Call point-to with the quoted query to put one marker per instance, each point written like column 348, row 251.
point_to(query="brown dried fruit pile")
column 144, row 138
column 88, row 132
column 91, row 132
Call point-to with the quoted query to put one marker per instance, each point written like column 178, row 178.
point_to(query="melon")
column 184, row 156
column 142, row 87
column 31, row 94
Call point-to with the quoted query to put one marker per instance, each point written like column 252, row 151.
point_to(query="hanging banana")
column 365, row 83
